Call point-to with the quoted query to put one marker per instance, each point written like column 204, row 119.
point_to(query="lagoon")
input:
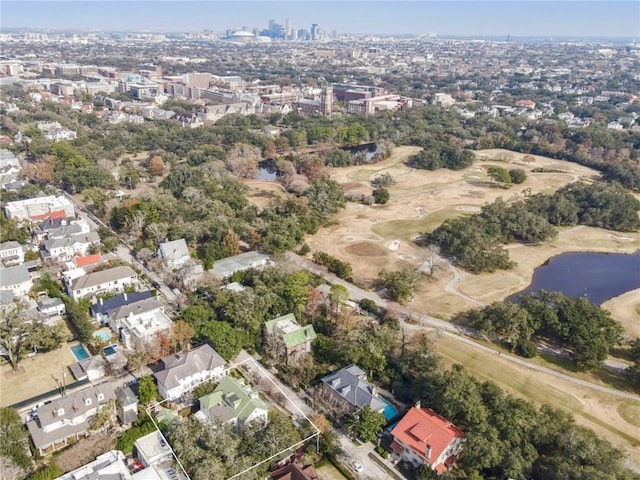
column 596, row 276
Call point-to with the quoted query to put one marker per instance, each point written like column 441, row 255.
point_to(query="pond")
column 596, row 276
column 369, row 149
column 267, row 171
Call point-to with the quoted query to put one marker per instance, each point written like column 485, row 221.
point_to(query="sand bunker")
column 406, row 257
column 349, row 239
column 626, row 239
column 395, row 245
column 366, row 249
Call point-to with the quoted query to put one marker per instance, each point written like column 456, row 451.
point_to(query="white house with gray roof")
column 174, row 254
column 183, row 371
column 67, row 417
column 11, row 253
column 138, row 324
column 64, row 249
column 16, row 280
column 112, row 280
column 226, row 267
column 9, row 167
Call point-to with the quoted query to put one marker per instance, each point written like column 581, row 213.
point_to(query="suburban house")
column 11, row 253
column 67, row 417
column 9, row 167
column 153, row 449
column 84, row 262
column 51, row 307
column 183, row 371
column 294, row 471
column 16, row 280
column 126, row 406
column 40, row 208
column 112, row 280
column 104, row 309
column 349, row 390
column 174, row 254
column 64, row 249
column 139, row 323
column 223, row 269
column 40, row 232
column 424, row 437
column 233, row 402
column 92, row 368
column 286, row 338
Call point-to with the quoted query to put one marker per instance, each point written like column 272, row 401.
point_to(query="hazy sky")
column 519, row 18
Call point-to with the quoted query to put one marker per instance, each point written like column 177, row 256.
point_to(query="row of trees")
column 473, row 242
column 585, row 330
column 441, row 154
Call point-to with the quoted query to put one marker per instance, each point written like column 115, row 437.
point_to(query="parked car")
column 357, row 467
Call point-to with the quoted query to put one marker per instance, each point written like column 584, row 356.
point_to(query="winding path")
column 452, row 330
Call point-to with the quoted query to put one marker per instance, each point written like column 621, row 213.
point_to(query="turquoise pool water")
column 79, row 352
column 110, row 350
column 389, row 411
column 102, row 335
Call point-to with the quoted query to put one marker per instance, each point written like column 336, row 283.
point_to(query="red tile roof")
column 88, row 260
column 55, row 214
column 422, row 427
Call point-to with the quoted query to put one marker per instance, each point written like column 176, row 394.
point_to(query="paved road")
column 450, row 329
column 350, row 451
column 123, row 251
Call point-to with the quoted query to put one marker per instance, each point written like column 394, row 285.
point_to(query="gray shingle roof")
column 103, row 276
column 13, row 275
column 352, row 385
column 188, row 363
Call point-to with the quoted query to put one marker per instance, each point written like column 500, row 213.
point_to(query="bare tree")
column 135, row 223
column 431, row 261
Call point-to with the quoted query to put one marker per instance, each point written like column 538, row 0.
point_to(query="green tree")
column 517, row 175
column 14, row 439
column 226, row 340
column 400, row 285
column 499, row 175
column 365, row 424
column 147, row 390
column 381, row 195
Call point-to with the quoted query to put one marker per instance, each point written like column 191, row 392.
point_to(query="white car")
column 357, row 467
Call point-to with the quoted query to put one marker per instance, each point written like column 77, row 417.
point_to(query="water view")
column 596, row 276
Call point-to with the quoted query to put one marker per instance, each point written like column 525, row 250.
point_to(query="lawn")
column 407, row 229
column 36, row 375
column 329, row 472
column 610, row 417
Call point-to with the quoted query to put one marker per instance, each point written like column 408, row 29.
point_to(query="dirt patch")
column 14, row 373
column 625, row 309
column 262, row 193
column 85, row 450
column 349, row 186
column 366, row 249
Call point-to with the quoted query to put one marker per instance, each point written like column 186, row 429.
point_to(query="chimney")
column 418, row 404
column 101, row 301
column 125, row 296
column 428, row 451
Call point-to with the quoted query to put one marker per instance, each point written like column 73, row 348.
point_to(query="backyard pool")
column 102, row 335
column 110, row 350
column 79, row 352
column 389, row 411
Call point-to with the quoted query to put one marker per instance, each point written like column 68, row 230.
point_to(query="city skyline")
column 464, row 18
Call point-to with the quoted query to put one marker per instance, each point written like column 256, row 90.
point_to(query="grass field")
column 329, row 472
column 35, row 375
column 610, row 417
column 626, row 309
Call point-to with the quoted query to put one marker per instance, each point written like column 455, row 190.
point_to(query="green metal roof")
column 233, row 395
column 292, row 334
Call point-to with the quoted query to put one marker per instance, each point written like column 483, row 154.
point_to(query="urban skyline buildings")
column 464, row 18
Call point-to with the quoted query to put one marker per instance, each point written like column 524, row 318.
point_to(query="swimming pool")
column 102, row 335
column 110, row 350
column 79, row 352
column 389, row 411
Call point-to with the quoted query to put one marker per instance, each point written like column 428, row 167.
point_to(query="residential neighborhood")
column 294, row 252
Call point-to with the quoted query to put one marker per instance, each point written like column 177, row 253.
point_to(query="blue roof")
column 119, row 301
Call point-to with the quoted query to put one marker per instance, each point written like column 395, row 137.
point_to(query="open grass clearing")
column 262, row 193
column 409, row 228
column 38, row 375
column 608, row 416
column 625, row 308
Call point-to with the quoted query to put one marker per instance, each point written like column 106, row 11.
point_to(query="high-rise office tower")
column 288, row 28
column 314, row 31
